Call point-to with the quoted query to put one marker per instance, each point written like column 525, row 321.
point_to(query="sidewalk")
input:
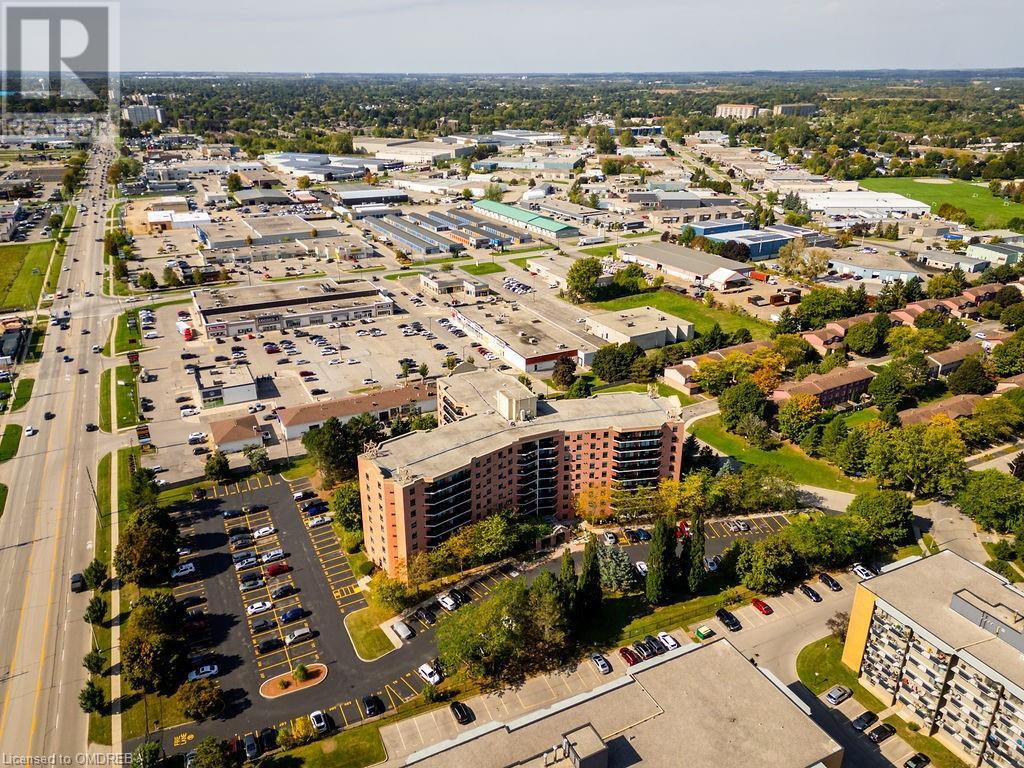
column 117, row 743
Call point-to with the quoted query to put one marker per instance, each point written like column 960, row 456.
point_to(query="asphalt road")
column 48, row 527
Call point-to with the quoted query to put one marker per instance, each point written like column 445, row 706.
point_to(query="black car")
column 268, row 645
column 865, row 720
column 459, row 596
column 283, row 591
column 643, row 535
column 920, row 760
column 182, row 399
column 48, row 415
column 643, row 651
column 220, row 359
column 425, row 615
column 881, row 733
column 830, row 582
column 728, row 620
column 191, row 601
column 461, row 712
column 187, row 356
column 199, row 451
column 262, row 625
column 252, row 747
column 90, row 427
column 372, row 705
column 318, row 391
column 631, row 535
column 810, row 593
column 268, row 738
column 655, row 644
column 228, row 514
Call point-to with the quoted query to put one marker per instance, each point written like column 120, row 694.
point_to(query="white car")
column 260, row 606
column 352, row 361
column 196, row 435
column 447, row 603
column 210, row 670
column 186, row 412
column 185, row 569
column 266, row 530
column 668, row 641
column 152, row 335
column 256, row 407
column 369, row 381
column 272, row 556
column 428, row 673
column 862, row 572
column 981, row 335
column 247, row 562
column 31, row 431
column 641, row 567
column 318, row 721
column 316, row 522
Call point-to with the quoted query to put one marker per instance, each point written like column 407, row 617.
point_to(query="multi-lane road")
column 48, row 527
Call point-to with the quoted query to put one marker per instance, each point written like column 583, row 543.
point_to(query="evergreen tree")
column 681, row 564
column 695, row 576
column 588, row 592
column 568, row 583
column 832, row 437
column 1017, row 466
column 659, row 562
column 616, row 569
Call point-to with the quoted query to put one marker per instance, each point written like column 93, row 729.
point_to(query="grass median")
column 486, row 268
column 22, row 394
column 100, row 731
column 105, row 420
column 127, row 397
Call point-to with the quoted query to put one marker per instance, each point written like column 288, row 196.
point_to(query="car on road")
column 77, row 582
column 183, row 570
column 668, row 641
column 429, row 674
column 919, row 760
column 865, row 720
column 881, row 733
column 601, row 663
column 30, row 430
column 831, row 582
column 210, row 670
column 372, row 705
column 462, row 714
column 728, row 620
column 761, row 606
column 292, row 614
column 810, row 593
column 90, row 427
column 260, row 606
column 319, row 721
column 266, row 530
column 629, row 656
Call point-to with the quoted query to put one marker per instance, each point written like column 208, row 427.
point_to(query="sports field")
column 989, row 212
column 19, row 287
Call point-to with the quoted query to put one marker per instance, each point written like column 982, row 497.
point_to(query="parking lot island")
column 282, row 685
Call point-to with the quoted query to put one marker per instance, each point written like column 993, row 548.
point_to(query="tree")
column 579, row 389
column 328, row 447
column 302, row 730
column 889, row 515
column 588, row 592
column 617, row 573
column 550, row 627
column 96, row 610
column 970, row 378
column 568, row 583
column 200, row 699
column 888, row 387
column 839, row 625
column 147, row 755
column 145, row 279
column 832, row 437
column 797, row 415
column 95, row 574
column 91, row 698
column 581, row 279
column 993, row 499
column 302, row 182
column 659, row 562
column 233, row 182
column 217, row 467
column 1017, row 466
column 210, row 753
column 388, row 592
column 921, row 458
column 94, row 661
column 346, row 506
column 493, row 192
column 613, row 362
column 739, row 400
column 146, row 551
column 170, row 278
column 767, row 565
column 1013, row 316
column 259, row 460
column 862, row 339
column 563, row 374
column 695, row 568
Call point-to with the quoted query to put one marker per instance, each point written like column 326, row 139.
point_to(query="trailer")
column 186, row 330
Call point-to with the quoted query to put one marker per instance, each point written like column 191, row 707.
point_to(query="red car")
column 306, row 373
column 629, row 656
column 683, row 529
column 761, row 606
column 276, row 569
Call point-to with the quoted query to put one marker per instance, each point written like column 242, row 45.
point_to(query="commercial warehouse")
column 688, row 265
column 361, row 194
column 224, row 385
column 501, row 235
column 647, row 327
column 541, row 226
column 874, row 205
column 566, row 210
column 555, row 269
column 762, row 243
column 255, row 309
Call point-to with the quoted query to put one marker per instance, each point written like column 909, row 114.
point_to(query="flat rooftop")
column 269, row 226
column 883, row 261
column 518, row 328
column 223, row 376
column 706, row 700
column 683, row 258
column 270, row 295
column 923, row 591
column 639, row 320
column 439, row 452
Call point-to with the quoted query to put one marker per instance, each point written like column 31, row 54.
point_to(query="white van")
column 297, row 636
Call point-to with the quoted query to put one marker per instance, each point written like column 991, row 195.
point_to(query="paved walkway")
column 117, row 744
column 954, row 531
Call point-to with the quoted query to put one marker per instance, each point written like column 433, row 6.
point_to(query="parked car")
column 728, row 620
column 668, row 641
column 260, row 606
column 655, row 644
column 629, row 656
column 830, row 582
column 292, row 614
column 210, row 670
column 863, row 571
column 761, row 606
column 609, row 538
column 919, row 760
column 183, row 570
column 319, row 721
column 447, row 603
column 882, row 732
column 251, row 746
column 462, row 714
column 429, row 674
column 372, row 705
column 810, row 593
column 864, row 720
column 601, row 663
column 277, row 569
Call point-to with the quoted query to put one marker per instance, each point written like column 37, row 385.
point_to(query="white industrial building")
column 874, row 205
column 688, row 264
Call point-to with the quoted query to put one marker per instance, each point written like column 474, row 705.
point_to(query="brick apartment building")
column 839, row 385
column 498, row 446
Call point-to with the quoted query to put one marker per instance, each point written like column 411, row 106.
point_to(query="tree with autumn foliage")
column 797, row 415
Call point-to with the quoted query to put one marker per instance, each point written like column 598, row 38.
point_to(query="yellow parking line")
column 392, row 695
column 341, row 708
column 414, row 691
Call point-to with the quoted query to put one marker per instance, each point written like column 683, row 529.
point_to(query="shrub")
column 300, row 673
column 1003, row 550
column 350, row 540
column 1003, row 568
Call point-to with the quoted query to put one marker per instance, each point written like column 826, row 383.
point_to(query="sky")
column 568, row 35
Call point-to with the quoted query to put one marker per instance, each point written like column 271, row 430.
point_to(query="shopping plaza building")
column 942, row 639
column 498, row 446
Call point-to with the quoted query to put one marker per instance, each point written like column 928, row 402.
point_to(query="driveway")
column 953, row 530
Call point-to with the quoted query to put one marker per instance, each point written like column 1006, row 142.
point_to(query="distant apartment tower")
column 498, row 446
column 737, row 111
column 941, row 639
column 137, row 114
column 802, row 109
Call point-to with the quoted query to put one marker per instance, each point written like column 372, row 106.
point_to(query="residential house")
column 945, row 361
column 681, row 376
column 839, row 385
column 910, row 313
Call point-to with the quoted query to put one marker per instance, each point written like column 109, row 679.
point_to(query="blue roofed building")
column 763, row 243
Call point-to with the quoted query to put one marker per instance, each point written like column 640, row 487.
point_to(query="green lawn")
column 820, row 666
column 917, row 741
column 600, row 250
column 664, row 390
column 364, row 629
column 355, row 748
column 9, row 442
column 301, row 466
column 22, row 273
column 127, row 397
column 3, row 498
column 127, row 339
column 35, row 341
column 440, row 260
column 688, row 309
column 486, row 268
column 105, row 400
column 801, row 468
column 862, row 416
column 989, row 212
column 22, row 394
column 402, row 275
column 530, row 249
column 100, row 722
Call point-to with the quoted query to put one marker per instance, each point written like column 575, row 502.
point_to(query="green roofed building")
column 541, row 226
